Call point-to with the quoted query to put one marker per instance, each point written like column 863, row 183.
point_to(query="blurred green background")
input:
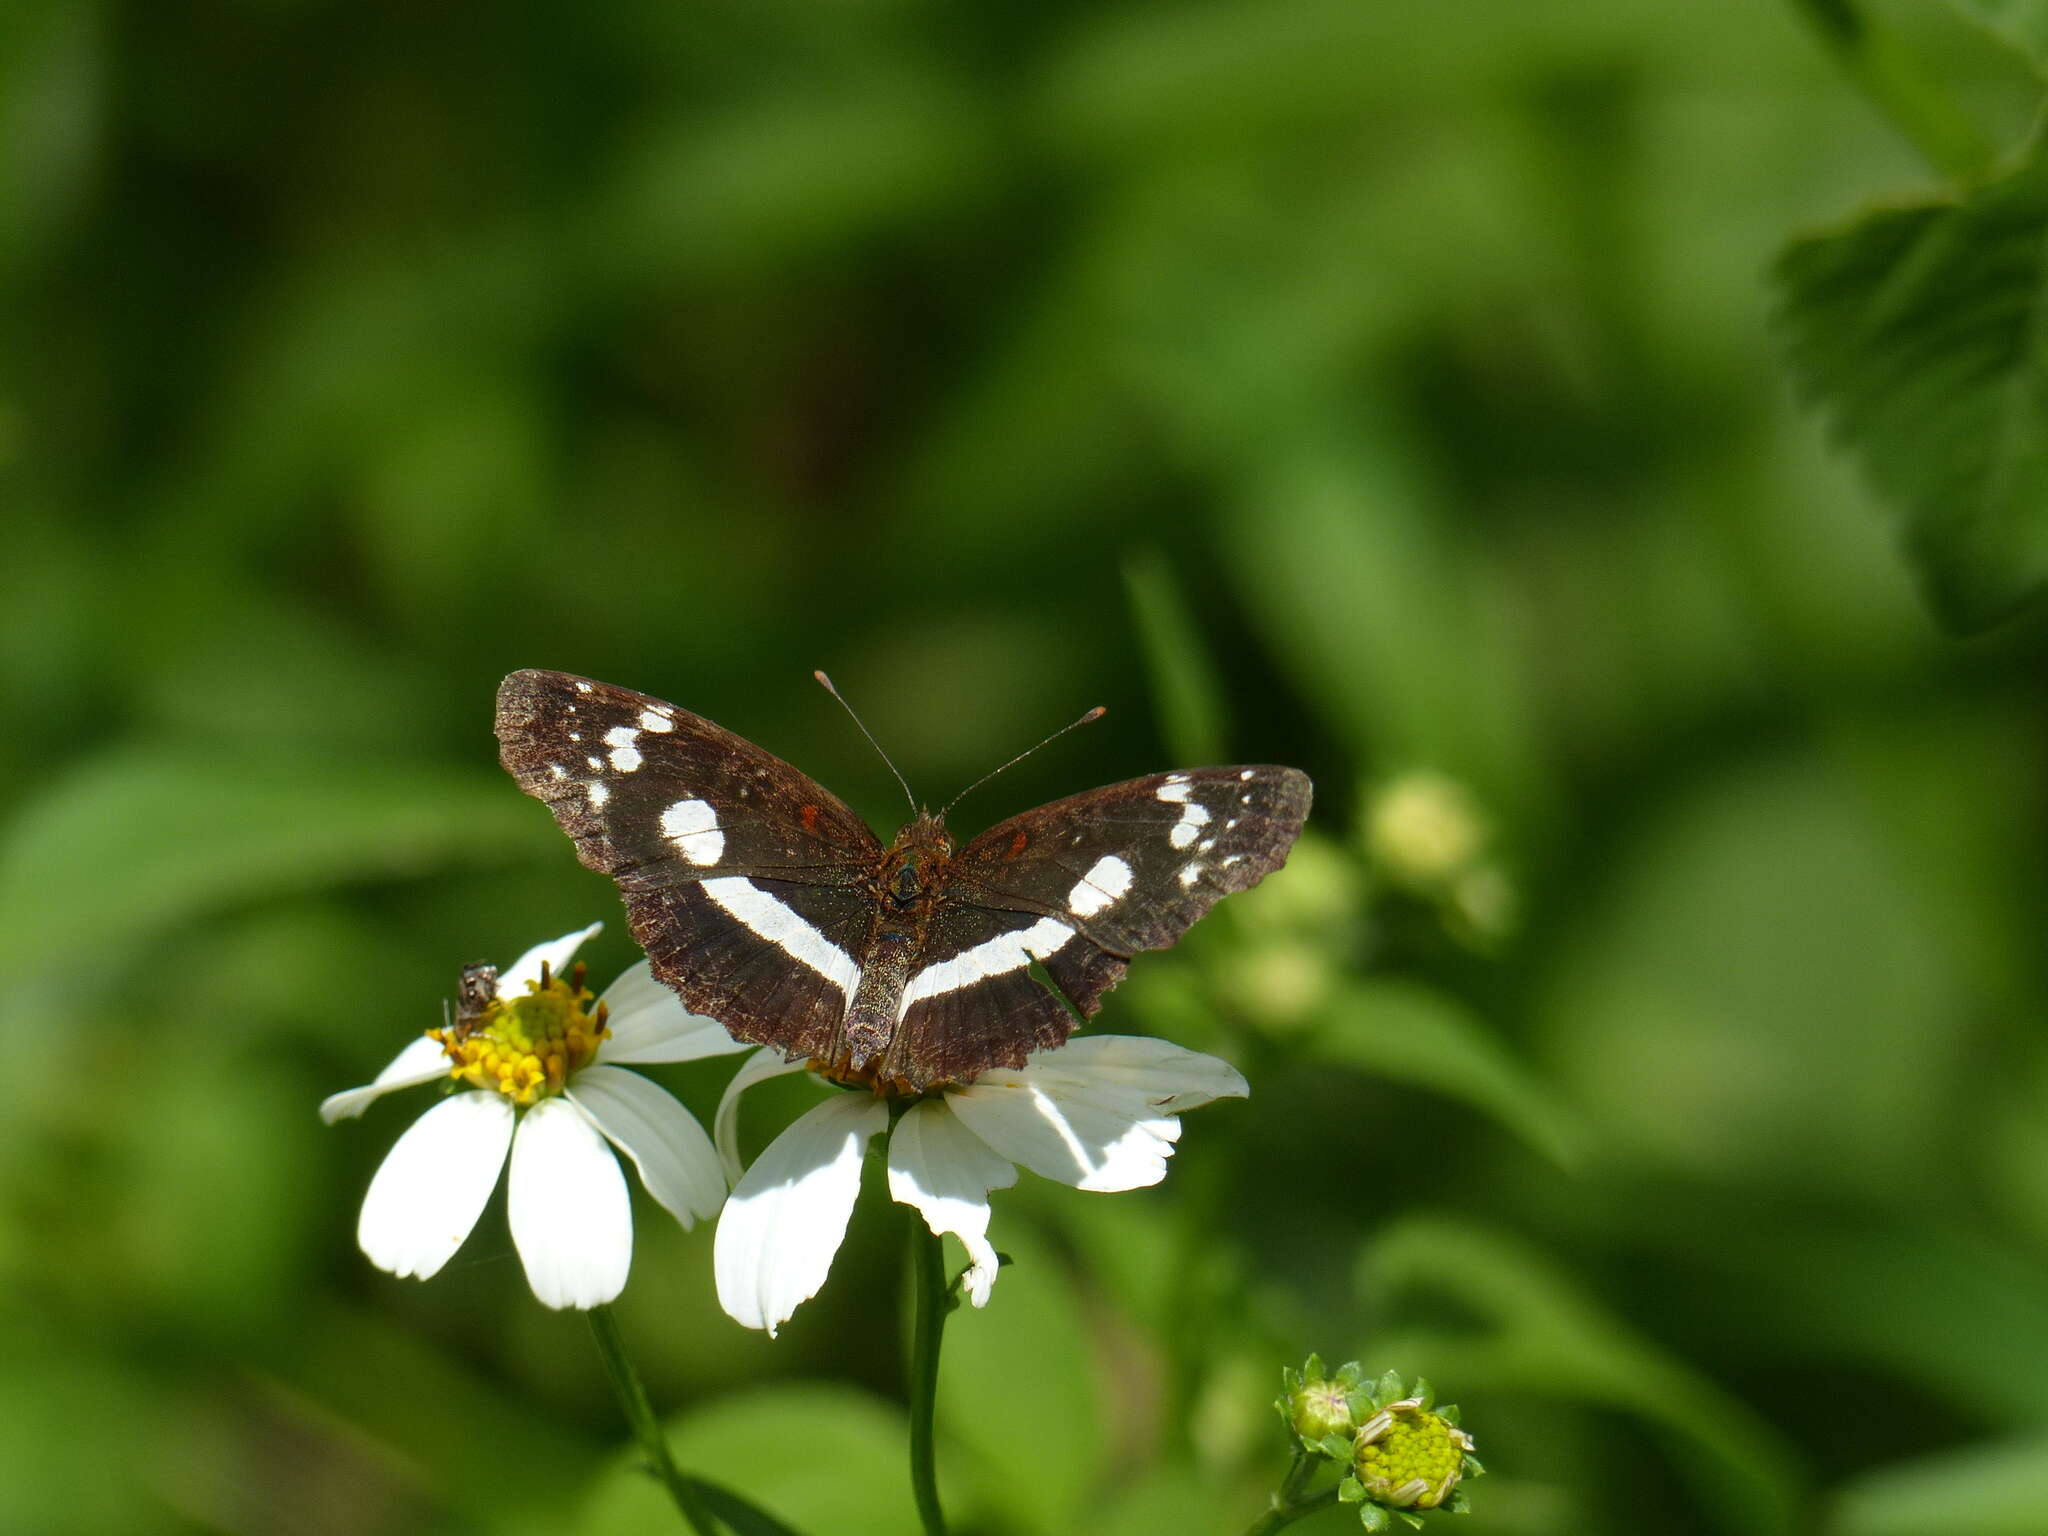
column 1646, row 1043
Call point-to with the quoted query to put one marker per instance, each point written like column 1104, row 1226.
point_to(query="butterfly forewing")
column 744, row 879
column 654, row 794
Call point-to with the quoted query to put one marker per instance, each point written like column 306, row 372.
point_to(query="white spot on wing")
column 599, row 792
column 625, row 756
column 1246, row 776
column 1190, row 873
column 692, row 825
column 556, row 770
column 998, row 956
column 583, row 687
column 1173, row 791
column 767, row 918
column 1101, row 887
column 658, row 723
column 595, row 763
column 1192, row 817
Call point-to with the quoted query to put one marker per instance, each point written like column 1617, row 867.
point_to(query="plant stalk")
column 1290, row 1503
column 632, row 1396
column 928, row 1324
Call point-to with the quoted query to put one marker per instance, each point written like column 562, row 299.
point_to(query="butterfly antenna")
column 826, row 683
column 1093, row 715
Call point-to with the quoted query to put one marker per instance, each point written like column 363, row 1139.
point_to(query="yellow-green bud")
column 1319, row 1408
column 1423, row 829
column 1407, row 1457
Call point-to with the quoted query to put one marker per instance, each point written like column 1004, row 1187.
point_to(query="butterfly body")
column 906, row 892
column 766, row 903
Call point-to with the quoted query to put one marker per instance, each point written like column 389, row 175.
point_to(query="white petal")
column 725, row 1125
column 420, row 1062
column 433, row 1184
column 946, row 1171
column 566, row 1199
column 664, row 1140
column 1098, row 1112
column 1172, row 1077
column 787, row 1217
column 515, row 978
column 649, row 1023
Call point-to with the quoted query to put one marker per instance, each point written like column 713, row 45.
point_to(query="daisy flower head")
column 546, row 1089
column 1100, row 1113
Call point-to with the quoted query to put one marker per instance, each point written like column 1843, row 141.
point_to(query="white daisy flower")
column 545, row 1062
column 1099, row 1113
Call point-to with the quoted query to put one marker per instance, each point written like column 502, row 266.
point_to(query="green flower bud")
column 1320, row 1407
column 1408, row 1457
column 1423, row 829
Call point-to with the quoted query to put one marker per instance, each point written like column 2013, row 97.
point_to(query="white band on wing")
column 769, row 919
column 993, row 957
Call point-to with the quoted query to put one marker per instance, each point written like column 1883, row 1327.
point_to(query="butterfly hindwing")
column 971, row 1002
column 744, row 879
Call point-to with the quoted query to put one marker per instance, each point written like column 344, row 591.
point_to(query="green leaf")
column 746, row 1519
column 1414, row 1034
column 1365, row 590
column 2022, row 24
column 1918, row 333
column 1539, row 1334
column 1373, row 1517
column 1185, row 691
column 1997, row 1489
column 135, row 842
column 821, row 1459
column 1017, row 1388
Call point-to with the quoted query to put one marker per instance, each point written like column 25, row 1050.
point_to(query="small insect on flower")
column 544, row 1064
column 1099, row 1113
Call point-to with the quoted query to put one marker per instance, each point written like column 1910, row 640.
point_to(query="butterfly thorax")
column 915, row 863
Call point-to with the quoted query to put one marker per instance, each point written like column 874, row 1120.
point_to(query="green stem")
column 928, row 1323
column 1888, row 73
column 640, row 1414
column 1291, row 1503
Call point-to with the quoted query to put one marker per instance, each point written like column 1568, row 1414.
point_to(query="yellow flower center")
column 1409, row 1457
column 527, row 1048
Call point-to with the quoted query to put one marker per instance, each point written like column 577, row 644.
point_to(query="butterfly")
column 764, row 902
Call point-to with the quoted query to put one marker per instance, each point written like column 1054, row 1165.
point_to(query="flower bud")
column 1407, row 1455
column 1423, row 829
column 1319, row 1406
